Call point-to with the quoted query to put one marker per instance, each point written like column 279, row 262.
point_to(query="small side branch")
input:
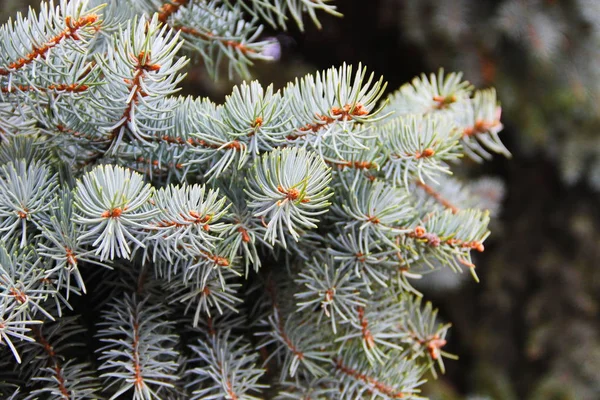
column 138, row 379
column 369, row 380
column 70, row 32
column 61, row 87
column 481, row 126
column 209, row 36
column 361, row 165
column 366, row 332
column 344, row 114
column 143, row 64
column 438, row 197
column 234, row 144
column 54, row 363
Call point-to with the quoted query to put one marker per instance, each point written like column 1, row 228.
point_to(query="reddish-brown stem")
column 60, row 87
column 288, row 342
column 191, row 218
column 138, row 377
column 437, row 197
column 341, row 165
column 19, row 295
column 235, row 144
column 379, row 386
column 53, row 362
column 434, row 240
column 70, row 32
column 230, row 392
column 364, row 324
column 143, row 65
column 345, row 114
column 79, row 135
column 156, row 163
column 169, row 9
column 209, row 36
column 280, row 326
column 244, row 232
column 211, row 326
column 71, row 256
column 481, row 126
column 487, row 68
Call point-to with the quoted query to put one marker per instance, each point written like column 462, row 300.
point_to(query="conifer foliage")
column 156, row 246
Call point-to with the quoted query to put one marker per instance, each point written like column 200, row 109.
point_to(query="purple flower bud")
column 272, row 49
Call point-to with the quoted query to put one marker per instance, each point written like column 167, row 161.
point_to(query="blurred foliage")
column 542, row 55
column 11, row 7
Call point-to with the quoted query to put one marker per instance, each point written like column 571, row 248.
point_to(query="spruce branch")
column 23, row 292
column 210, row 142
column 297, row 348
column 31, row 39
column 145, row 54
column 434, row 94
column 288, row 188
column 450, row 237
column 111, row 206
column 330, row 289
column 425, row 335
column 22, row 284
column 14, row 325
column 276, row 12
column 481, row 126
column 59, row 241
column 419, row 146
column 302, row 388
column 438, row 197
column 15, row 122
column 207, row 265
column 363, row 153
column 371, row 262
column 375, row 209
column 260, row 116
column 26, row 194
column 220, row 32
column 373, row 327
column 49, row 371
column 25, row 147
column 228, row 369
column 215, row 293
column 188, row 221
column 450, row 193
column 179, row 196
column 138, row 354
column 396, row 378
column 321, row 100
column 244, row 233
